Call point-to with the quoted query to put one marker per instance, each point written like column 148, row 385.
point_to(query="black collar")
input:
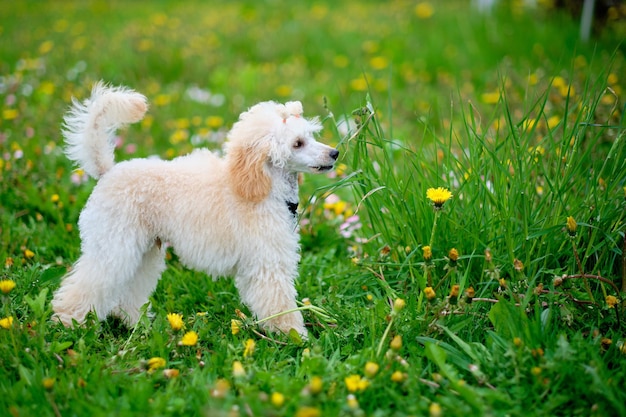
column 293, row 207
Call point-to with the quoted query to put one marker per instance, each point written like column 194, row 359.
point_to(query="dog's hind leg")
column 141, row 285
column 97, row 281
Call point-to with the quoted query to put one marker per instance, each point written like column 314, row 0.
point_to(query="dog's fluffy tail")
column 89, row 126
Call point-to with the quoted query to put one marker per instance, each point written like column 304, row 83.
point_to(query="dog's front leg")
column 269, row 294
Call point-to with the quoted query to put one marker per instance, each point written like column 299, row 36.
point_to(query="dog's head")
column 275, row 135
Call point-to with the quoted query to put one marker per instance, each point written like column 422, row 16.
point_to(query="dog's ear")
column 248, row 173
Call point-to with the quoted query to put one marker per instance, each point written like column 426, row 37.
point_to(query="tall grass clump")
column 515, row 179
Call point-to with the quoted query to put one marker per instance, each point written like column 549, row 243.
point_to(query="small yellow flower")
column 438, row 196
column 424, row 10
column 29, row 254
column 517, row 341
column 429, row 293
column 502, row 282
column 398, row 305
column 434, row 410
column 7, row 285
column 611, row 301
column 176, row 321
column 470, row 292
column 316, row 385
column 235, row 326
column 352, row 402
column 397, row 376
column 454, row 291
column 355, row 383
column 249, row 348
column 189, row 339
column 371, row 369
column 8, row 262
column 238, row 370
column 6, row 322
column 428, row 254
column 55, row 198
column 396, row 343
column 48, row 383
column 453, row 255
column 155, row 363
column 571, row 226
column 277, row 399
column 307, row 411
column 535, row 370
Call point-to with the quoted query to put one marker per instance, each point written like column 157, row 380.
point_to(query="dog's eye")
column 298, row 143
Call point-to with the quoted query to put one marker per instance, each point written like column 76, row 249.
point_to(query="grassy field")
column 504, row 298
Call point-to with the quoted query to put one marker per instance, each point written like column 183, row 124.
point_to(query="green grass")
column 521, row 122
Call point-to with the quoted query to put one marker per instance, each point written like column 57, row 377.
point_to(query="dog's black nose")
column 334, row 154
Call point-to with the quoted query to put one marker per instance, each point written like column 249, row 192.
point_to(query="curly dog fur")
column 226, row 216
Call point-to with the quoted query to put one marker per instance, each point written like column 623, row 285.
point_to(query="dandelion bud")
column 398, row 305
column 558, row 281
column 454, row 294
column 48, row 383
column 469, row 294
column 571, row 226
column 429, row 293
column 428, row 254
column 611, row 301
column 397, row 376
column 396, row 343
column 518, row 265
column 371, row 369
column 453, row 255
column 502, row 282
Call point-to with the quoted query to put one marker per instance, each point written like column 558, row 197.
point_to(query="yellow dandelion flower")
column 48, row 383
column 434, row 410
column 155, row 363
column 438, row 196
column 316, row 385
column 517, row 341
column 6, row 285
column 235, row 326
column 490, row 98
column 371, row 369
column 249, row 348
column 424, row 10
column 176, row 321
column 238, row 370
column 356, row 383
column 571, row 226
column 352, row 402
column 397, row 377
column 396, row 343
column 429, row 293
column 502, row 282
column 453, row 255
column 10, row 114
column 611, row 301
column 277, row 399
column 28, row 254
column 189, row 339
column 307, row 411
column 428, row 253
column 6, row 322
